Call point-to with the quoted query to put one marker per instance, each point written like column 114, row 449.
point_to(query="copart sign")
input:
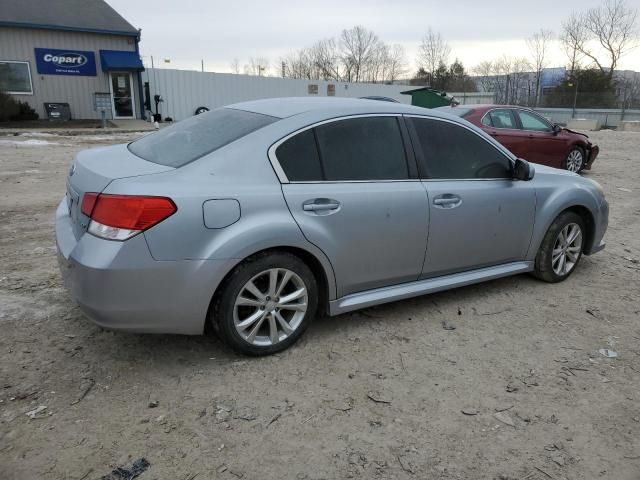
column 65, row 62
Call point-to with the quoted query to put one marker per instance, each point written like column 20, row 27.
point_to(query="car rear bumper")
column 592, row 153
column 119, row 286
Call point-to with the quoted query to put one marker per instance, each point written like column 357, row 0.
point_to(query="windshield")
column 197, row 136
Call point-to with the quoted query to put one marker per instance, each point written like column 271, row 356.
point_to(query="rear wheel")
column 575, row 160
column 266, row 304
column 561, row 248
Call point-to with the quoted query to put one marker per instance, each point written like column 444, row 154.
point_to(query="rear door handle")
column 317, row 207
column 320, row 205
column 447, row 200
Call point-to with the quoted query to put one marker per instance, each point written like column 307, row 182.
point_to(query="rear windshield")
column 458, row 111
column 194, row 137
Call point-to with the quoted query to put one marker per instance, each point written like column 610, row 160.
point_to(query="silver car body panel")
column 376, row 235
column 422, row 287
column 491, row 225
column 120, row 286
column 384, row 241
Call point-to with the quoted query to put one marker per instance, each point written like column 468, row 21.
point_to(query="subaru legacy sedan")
column 258, row 217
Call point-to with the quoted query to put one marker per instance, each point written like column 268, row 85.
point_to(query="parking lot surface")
column 499, row 380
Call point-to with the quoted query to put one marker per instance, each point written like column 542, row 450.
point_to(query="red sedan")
column 531, row 136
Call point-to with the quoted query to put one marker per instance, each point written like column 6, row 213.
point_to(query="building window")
column 15, row 78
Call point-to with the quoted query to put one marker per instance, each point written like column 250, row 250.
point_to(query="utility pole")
column 575, row 101
column 464, row 89
column 202, row 64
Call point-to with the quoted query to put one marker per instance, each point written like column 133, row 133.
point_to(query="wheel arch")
column 589, row 224
column 322, row 271
column 580, row 209
column 582, row 145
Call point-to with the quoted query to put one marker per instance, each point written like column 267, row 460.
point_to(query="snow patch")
column 28, row 143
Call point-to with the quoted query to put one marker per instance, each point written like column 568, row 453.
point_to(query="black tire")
column 200, row 110
column 569, row 161
column 222, row 313
column 543, row 268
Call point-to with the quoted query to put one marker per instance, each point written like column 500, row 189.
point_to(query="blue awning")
column 120, row 60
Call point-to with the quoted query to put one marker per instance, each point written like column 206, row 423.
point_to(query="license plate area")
column 72, row 203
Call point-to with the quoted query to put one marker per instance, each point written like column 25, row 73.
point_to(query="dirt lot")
column 374, row 394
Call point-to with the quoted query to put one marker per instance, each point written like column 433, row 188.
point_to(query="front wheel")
column 266, row 304
column 561, row 248
column 575, row 160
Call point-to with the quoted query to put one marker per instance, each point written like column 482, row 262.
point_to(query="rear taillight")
column 120, row 217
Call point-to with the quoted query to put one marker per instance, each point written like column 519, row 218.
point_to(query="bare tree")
column 397, row 63
column 539, row 44
column 358, row 56
column 299, row 65
column 376, row 68
column 257, row 66
column 235, row 66
column 629, row 86
column 358, row 45
column 326, row 57
column 484, row 72
column 434, row 50
column 507, row 77
column 612, row 26
column 573, row 38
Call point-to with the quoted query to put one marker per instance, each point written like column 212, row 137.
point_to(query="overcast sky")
column 218, row 31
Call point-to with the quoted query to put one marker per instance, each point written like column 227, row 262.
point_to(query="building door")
column 122, row 98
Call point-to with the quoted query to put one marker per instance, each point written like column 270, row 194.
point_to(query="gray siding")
column 18, row 44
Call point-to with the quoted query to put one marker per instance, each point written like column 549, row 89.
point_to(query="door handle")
column 447, row 200
column 320, row 205
column 317, row 207
column 493, row 134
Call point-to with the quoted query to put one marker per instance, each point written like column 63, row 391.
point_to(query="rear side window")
column 368, row 148
column 197, row 136
column 299, row 158
column 501, row 119
column 454, row 152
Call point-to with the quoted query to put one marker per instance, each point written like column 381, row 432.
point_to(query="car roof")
column 290, row 106
column 481, row 107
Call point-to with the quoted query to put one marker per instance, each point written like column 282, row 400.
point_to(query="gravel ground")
column 518, row 390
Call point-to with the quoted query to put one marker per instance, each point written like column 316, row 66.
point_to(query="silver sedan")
column 257, row 217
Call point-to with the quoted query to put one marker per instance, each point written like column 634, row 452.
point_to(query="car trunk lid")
column 94, row 169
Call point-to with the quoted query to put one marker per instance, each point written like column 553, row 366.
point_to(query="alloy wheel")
column 270, row 307
column 567, row 249
column 574, row 161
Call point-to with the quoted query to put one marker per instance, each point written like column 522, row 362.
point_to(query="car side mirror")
column 523, row 170
column 556, row 129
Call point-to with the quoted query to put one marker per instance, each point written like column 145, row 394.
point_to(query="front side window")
column 501, row 119
column 455, row 152
column 367, row 148
column 531, row 121
column 197, row 136
column 15, row 78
